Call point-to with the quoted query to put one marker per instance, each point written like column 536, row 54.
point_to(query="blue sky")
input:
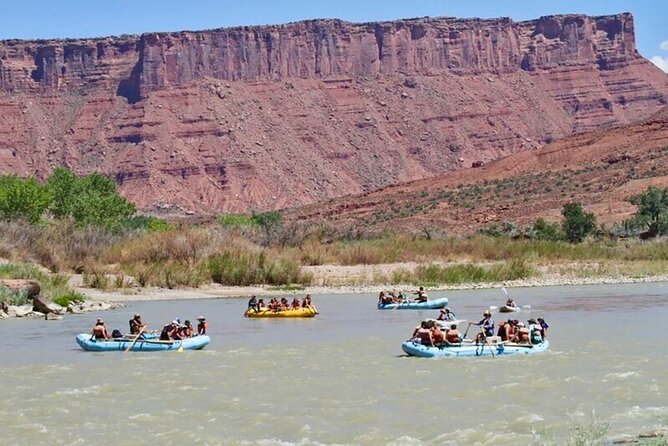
column 32, row 19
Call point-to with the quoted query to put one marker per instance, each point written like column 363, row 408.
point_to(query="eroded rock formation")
column 257, row 118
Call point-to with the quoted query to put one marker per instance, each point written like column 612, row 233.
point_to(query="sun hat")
column 532, row 321
column 201, row 318
column 442, row 311
column 175, row 322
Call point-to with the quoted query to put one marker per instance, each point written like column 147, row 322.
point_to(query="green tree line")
column 91, row 200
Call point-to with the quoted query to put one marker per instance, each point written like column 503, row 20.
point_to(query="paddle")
column 491, row 349
column 137, row 337
column 466, row 331
column 180, row 349
column 493, row 308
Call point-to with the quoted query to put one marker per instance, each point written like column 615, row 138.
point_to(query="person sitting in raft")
column 307, row 302
column 295, row 305
column 136, row 325
column 511, row 303
column 452, row 335
column 423, row 335
column 421, row 295
column 384, row 299
column 187, row 330
column 543, row 327
column 486, row 326
column 534, row 331
column 522, row 334
column 446, row 315
column 284, row 304
column 170, row 332
column 252, row 304
column 202, row 325
column 437, row 335
column 260, row 304
column 100, row 331
column 502, row 332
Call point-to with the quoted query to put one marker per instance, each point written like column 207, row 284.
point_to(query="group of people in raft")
column 170, row 332
column 392, row 297
column 279, row 305
column 428, row 332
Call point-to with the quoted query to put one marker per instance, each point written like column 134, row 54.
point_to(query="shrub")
column 542, row 230
column 576, row 223
column 22, row 199
column 652, row 213
column 501, row 229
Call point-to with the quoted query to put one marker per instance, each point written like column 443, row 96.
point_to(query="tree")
column 652, row 213
column 576, row 223
column 22, row 199
column 270, row 223
column 90, row 201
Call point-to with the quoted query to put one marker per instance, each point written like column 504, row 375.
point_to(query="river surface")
column 341, row 378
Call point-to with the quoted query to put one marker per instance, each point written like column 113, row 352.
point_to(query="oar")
column 138, row 334
column 493, row 308
column 180, row 349
column 482, row 331
column 466, row 331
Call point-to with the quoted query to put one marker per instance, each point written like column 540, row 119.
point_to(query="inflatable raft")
column 470, row 349
column 142, row 345
column 429, row 305
column 299, row 312
column 507, row 309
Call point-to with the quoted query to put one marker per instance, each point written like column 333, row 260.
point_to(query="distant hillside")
column 599, row 169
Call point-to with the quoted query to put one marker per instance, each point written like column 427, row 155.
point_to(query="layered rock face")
column 258, row 118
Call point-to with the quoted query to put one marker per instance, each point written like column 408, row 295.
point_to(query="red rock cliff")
column 254, row 118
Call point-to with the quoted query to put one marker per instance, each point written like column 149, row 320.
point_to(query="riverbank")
column 212, row 291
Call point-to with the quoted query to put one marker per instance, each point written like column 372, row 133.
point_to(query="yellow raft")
column 299, row 312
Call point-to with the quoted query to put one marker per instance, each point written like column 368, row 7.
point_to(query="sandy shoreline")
column 218, row 291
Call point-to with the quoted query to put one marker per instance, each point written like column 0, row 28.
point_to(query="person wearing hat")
column 170, row 331
column 136, row 325
column 534, row 331
column 100, row 331
column 486, row 325
column 447, row 315
column 201, row 325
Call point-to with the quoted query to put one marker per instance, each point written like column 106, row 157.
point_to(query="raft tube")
column 470, row 349
column 142, row 345
column 429, row 305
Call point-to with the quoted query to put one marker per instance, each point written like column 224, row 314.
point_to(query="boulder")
column 44, row 305
column 19, row 310
column 52, row 317
column 29, row 287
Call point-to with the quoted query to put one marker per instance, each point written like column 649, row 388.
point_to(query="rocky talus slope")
column 258, row 118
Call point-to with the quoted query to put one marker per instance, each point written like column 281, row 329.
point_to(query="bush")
column 501, row 229
column 652, row 213
column 22, row 199
column 542, row 230
column 576, row 223
column 148, row 223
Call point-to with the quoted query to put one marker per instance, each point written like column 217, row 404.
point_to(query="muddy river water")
column 341, row 378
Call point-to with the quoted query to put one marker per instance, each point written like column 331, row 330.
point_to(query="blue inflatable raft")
column 142, row 345
column 429, row 305
column 470, row 349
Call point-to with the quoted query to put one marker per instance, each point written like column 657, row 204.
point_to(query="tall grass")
column 433, row 275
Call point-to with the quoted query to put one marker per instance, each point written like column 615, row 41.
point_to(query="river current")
column 341, row 378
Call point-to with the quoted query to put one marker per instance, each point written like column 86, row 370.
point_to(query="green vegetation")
column 577, row 223
column 652, row 213
column 434, row 275
column 53, row 286
column 88, row 201
column 22, row 199
column 82, row 225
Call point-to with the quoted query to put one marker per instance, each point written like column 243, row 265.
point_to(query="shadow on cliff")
column 129, row 88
